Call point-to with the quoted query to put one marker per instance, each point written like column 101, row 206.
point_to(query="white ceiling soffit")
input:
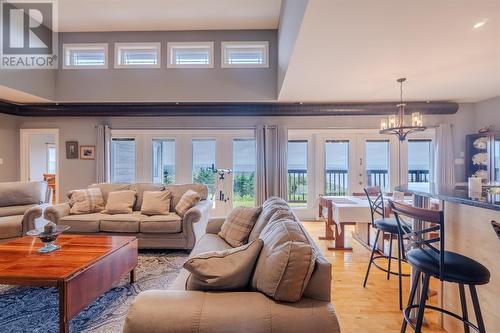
column 355, row 50
column 9, row 94
column 162, row 15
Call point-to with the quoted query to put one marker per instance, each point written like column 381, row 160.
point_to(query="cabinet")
column 482, row 157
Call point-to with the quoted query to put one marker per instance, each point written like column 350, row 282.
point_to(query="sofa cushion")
column 161, row 224
column 156, row 202
column 107, row 188
column 82, row 222
column 86, row 201
column 11, row 226
column 140, row 188
column 121, row 222
column 229, row 269
column 178, row 190
column 209, row 242
column 22, row 193
column 269, row 207
column 14, row 210
column 286, row 261
column 120, row 202
column 188, row 200
column 238, row 224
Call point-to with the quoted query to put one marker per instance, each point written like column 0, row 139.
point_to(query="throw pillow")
column 188, row 200
column 86, row 201
column 156, row 202
column 120, row 202
column 238, row 225
column 223, row 270
column 285, row 263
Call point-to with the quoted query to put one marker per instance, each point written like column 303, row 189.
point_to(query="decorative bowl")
column 48, row 236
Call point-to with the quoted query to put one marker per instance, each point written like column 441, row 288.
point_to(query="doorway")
column 39, row 157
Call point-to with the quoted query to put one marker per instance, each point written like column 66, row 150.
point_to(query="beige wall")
column 9, row 148
column 172, row 84
column 488, row 113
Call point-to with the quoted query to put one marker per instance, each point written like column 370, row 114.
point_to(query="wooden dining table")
column 339, row 211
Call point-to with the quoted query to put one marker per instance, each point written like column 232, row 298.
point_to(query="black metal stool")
column 387, row 225
column 429, row 260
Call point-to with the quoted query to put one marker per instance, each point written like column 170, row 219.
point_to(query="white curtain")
column 444, row 167
column 102, row 153
column 272, row 143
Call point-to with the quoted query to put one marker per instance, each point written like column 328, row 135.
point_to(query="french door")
column 339, row 162
column 194, row 156
column 353, row 162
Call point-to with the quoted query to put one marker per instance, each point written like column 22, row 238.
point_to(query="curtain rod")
column 187, row 128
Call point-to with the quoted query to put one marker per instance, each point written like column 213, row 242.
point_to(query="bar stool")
column 387, row 225
column 429, row 260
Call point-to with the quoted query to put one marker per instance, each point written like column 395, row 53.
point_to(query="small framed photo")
column 71, row 149
column 87, row 152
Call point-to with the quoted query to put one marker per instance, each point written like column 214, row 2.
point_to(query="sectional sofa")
column 153, row 232
column 180, row 311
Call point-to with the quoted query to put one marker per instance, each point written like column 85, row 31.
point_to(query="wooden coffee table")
column 84, row 268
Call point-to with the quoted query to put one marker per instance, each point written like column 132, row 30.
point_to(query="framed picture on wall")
column 87, row 152
column 71, row 149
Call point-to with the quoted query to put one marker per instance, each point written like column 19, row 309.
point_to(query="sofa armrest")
column 30, row 216
column 169, row 311
column 214, row 225
column 195, row 220
column 56, row 212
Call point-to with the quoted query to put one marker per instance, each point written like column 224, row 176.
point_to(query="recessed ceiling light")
column 479, row 24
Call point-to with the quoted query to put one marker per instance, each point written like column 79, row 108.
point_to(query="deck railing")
column 418, row 176
column 337, row 181
column 297, row 185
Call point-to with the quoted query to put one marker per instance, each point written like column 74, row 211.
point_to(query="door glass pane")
column 419, row 161
column 377, row 163
column 204, row 162
column 244, row 167
column 164, row 161
column 336, row 167
column 123, row 160
column 496, row 159
column 297, row 172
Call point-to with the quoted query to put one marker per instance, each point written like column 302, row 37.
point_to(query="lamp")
column 396, row 124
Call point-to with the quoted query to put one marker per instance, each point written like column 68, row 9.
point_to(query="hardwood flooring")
column 371, row 309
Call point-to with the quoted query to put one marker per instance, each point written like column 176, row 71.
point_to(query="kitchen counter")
column 453, row 194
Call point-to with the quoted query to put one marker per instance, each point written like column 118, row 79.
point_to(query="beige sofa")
column 153, row 232
column 179, row 311
column 21, row 204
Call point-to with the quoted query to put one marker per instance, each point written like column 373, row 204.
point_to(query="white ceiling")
column 18, row 96
column 355, row 50
column 161, row 15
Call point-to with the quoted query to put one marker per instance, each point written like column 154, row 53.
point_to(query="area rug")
column 35, row 310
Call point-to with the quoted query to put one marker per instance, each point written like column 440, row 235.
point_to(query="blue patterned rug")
column 36, row 310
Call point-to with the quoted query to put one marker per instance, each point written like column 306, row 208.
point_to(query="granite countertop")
column 449, row 193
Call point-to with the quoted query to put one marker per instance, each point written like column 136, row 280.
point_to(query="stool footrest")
column 406, row 314
column 384, row 269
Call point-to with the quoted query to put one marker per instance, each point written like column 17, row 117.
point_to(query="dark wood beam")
column 221, row 109
column 9, row 108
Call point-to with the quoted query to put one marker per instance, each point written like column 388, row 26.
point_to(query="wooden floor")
column 371, row 309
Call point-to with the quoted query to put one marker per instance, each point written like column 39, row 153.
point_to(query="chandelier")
column 396, row 124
